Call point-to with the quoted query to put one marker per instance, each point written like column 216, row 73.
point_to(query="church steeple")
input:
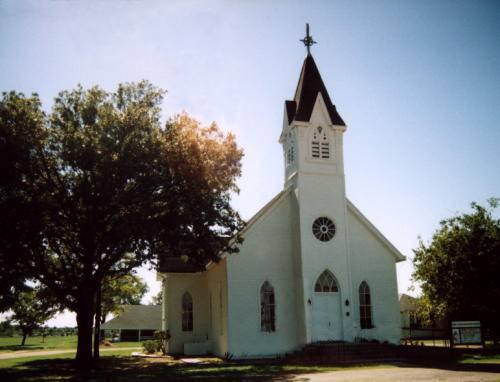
column 312, row 128
column 312, row 141
column 309, row 86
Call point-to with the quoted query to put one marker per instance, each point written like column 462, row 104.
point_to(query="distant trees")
column 459, row 269
column 32, row 308
column 97, row 187
column 10, row 329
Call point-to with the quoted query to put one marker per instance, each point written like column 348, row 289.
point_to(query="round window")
column 323, row 229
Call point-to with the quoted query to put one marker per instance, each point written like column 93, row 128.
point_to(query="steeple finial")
column 308, row 40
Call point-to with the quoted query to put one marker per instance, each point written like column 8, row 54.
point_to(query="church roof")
column 308, row 87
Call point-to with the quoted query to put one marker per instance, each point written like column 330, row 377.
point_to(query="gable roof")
column 308, row 87
column 394, row 251
column 136, row 317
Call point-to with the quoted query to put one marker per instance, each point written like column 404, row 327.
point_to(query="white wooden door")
column 326, row 317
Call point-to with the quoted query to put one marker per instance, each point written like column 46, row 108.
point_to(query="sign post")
column 466, row 333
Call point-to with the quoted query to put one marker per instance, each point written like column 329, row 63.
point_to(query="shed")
column 408, row 307
column 135, row 322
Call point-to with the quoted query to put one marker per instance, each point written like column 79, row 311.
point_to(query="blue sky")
column 417, row 82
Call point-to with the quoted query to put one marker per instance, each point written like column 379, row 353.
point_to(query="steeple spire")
column 308, row 40
column 309, row 86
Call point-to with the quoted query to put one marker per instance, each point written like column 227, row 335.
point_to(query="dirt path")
column 36, row 353
column 404, row 373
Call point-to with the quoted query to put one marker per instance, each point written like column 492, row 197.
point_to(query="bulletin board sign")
column 466, row 332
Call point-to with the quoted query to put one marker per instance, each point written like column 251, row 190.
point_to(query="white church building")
column 311, row 267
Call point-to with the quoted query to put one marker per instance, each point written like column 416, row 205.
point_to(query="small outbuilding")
column 408, row 307
column 134, row 323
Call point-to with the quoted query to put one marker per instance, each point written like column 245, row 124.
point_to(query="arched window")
column 187, row 312
column 267, row 308
column 320, row 145
column 365, row 306
column 326, row 283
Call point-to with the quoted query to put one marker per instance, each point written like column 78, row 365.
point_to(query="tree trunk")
column 25, row 334
column 97, row 326
column 84, row 318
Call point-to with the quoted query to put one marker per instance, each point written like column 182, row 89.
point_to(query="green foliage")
column 427, row 315
column 458, row 270
column 203, row 164
column 162, row 337
column 97, row 187
column 158, row 343
column 32, row 308
column 121, row 290
column 150, row 346
column 21, row 134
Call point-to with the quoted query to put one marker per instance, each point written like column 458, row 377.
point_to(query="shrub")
column 161, row 337
column 150, row 346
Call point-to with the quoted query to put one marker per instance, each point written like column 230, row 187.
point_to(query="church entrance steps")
column 343, row 352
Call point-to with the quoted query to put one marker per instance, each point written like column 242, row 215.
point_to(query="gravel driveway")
column 403, row 373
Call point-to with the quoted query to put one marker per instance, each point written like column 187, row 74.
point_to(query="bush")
column 158, row 344
column 150, row 346
column 161, row 337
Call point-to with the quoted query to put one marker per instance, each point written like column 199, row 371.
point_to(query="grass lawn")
column 21, row 362
column 481, row 359
column 9, row 344
column 118, row 366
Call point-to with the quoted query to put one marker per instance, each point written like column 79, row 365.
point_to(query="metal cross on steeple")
column 308, row 40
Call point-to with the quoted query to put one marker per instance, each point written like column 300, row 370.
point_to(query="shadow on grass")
column 124, row 369
column 136, row 369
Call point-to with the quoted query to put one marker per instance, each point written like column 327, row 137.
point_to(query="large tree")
column 458, row 270
column 102, row 188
